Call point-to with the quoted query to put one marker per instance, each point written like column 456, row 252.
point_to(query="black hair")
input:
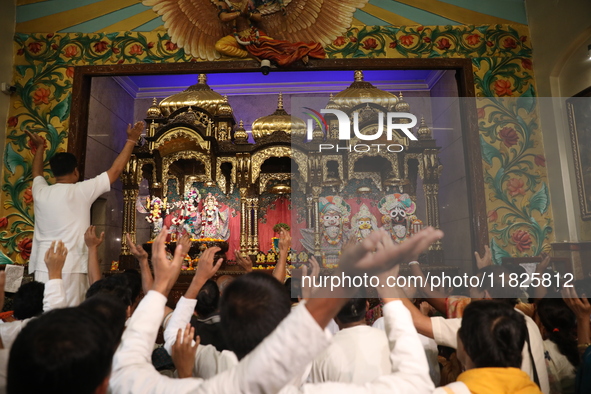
column 135, row 283
column 28, row 300
column 110, row 310
column 60, row 352
column 63, row 163
column 560, row 323
column 496, row 279
column 251, row 307
column 208, row 299
column 354, row 310
column 115, row 286
column 493, row 334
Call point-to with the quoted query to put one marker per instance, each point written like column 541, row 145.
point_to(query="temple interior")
column 249, row 99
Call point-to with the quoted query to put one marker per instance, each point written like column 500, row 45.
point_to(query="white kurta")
column 357, row 354
column 54, row 297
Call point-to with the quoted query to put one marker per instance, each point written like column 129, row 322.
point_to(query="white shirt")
column 409, row 372
column 357, row 354
column 445, row 333
column 54, row 297
column 431, row 351
column 295, row 342
column 562, row 373
column 62, row 212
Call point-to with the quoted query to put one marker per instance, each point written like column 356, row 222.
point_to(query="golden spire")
column 358, row 76
column 280, row 101
column 202, row 79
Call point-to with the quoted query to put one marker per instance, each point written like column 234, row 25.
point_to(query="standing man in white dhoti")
column 62, row 210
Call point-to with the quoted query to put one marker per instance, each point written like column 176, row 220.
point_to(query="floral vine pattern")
column 520, row 220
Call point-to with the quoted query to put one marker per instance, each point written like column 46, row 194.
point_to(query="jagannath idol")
column 398, row 219
column 362, row 224
column 334, row 214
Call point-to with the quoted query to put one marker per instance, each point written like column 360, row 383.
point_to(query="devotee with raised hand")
column 444, row 331
column 92, row 243
column 62, row 210
column 183, row 351
column 142, row 257
column 490, row 342
column 280, row 270
column 291, row 346
column 53, row 295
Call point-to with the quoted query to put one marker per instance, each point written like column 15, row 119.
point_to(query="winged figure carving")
column 282, row 31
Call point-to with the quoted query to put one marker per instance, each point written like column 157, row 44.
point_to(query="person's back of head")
column 495, row 284
column 353, row 311
column 115, row 286
column 560, row 323
column 251, row 307
column 63, row 163
column 111, row 311
column 134, row 280
column 492, row 335
column 63, row 351
column 28, row 300
column 208, row 299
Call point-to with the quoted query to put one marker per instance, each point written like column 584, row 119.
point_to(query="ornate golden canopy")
column 361, row 92
column 198, row 95
column 278, row 120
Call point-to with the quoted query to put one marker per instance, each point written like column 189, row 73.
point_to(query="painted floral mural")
column 520, row 220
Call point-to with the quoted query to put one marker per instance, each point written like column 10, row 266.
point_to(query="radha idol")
column 214, row 222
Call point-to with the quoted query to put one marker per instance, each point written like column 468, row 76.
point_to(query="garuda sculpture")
column 282, row 31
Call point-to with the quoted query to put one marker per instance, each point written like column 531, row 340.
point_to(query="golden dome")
column 363, row 92
column 225, row 108
column 424, row 131
column 402, row 106
column 154, row 111
column 198, row 95
column 278, row 120
column 240, row 135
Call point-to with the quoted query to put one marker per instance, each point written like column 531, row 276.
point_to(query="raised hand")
column 546, row 259
column 166, row 271
column 134, row 133
column 90, row 238
column 484, row 260
column 284, row 241
column 580, row 306
column 315, row 267
column 55, row 258
column 243, row 261
column 184, row 350
column 205, row 268
column 136, row 250
column 205, row 271
column 361, row 258
column 185, row 243
column 2, row 285
column 37, row 140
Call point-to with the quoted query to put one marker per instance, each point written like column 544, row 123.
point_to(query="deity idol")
column 363, row 223
column 334, row 214
column 398, row 219
column 214, row 223
column 156, row 209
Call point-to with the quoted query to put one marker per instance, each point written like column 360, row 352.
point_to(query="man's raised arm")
column 39, row 143
column 133, row 135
